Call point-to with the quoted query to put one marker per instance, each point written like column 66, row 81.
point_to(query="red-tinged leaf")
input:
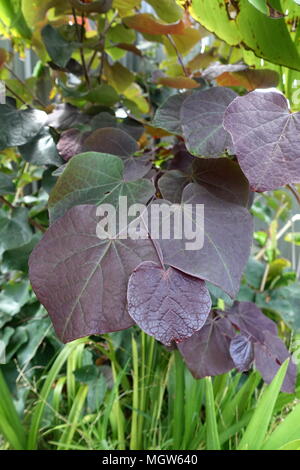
column 71, row 143
column 266, row 138
column 129, row 47
column 82, row 280
column 4, row 56
column 215, row 70
column 201, row 117
column 206, row 353
column 227, row 234
column 242, row 352
column 250, row 79
column 167, row 304
column 146, row 23
column 178, row 82
column 268, row 357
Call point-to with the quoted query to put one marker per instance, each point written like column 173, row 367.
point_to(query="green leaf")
column 103, row 183
column 103, row 94
column 285, row 302
column 17, row 258
column 14, row 229
column 167, row 10
column 288, row 430
column 260, row 5
column 6, row 184
column 248, row 27
column 256, row 430
column 57, row 47
column 212, row 436
column 13, row 296
column 41, row 150
column 19, row 126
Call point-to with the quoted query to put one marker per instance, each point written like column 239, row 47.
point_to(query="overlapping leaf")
column 167, row 304
column 266, row 139
column 41, row 150
column 82, row 280
column 168, row 114
column 201, row 117
column 227, row 235
column 259, row 342
column 206, row 353
column 95, row 178
column 146, row 23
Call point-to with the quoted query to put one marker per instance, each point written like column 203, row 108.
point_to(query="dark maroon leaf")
column 269, row 351
column 223, row 178
column 103, row 119
column 136, row 167
column 81, row 279
column 269, row 356
column 112, row 141
column 206, row 353
column 71, row 143
column 172, row 184
column 249, row 319
column 167, row 304
column 132, row 127
column 182, row 158
column 266, row 139
column 241, row 351
column 201, row 116
column 227, row 241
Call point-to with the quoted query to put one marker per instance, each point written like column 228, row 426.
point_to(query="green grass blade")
column 256, row 430
column 288, row 430
column 52, row 375
column 212, row 436
column 10, row 423
column 74, row 417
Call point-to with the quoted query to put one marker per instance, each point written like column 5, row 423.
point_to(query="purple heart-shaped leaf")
column 266, row 138
column 167, row 304
column 81, row 279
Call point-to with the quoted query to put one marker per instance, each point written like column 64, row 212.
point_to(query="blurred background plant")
column 120, row 60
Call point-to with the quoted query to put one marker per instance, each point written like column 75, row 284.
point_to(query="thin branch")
column 24, row 85
column 180, row 60
column 6, row 202
column 80, row 39
column 16, row 95
column 293, row 189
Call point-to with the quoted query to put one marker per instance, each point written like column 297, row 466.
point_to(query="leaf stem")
column 180, row 60
column 24, row 85
column 293, row 189
column 16, row 95
column 80, row 39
